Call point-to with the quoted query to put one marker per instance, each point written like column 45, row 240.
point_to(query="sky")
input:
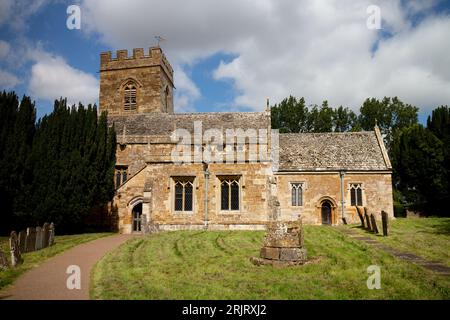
column 232, row 55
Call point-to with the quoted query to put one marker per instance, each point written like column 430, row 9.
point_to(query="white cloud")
column 186, row 91
column 8, row 80
column 4, row 49
column 318, row 49
column 52, row 78
column 16, row 13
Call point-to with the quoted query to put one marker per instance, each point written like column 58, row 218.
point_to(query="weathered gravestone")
column 367, row 219
column 23, row 241
column 45, row 234
column 361, row 218
column 31, row 239
column 3, row 261
column 373, row 222
column 51, row 235
column 38, row 244
column 16, row 257
column 384, row 221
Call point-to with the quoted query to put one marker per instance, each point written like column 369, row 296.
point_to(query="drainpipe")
column 206, row 172
column 342, row 174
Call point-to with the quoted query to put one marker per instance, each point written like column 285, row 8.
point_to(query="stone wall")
column 318, row 186
column 253, row 195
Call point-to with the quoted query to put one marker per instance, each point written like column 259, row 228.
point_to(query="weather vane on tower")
column 159, row 39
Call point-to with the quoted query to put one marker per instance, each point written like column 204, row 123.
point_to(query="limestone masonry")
column 319, row 177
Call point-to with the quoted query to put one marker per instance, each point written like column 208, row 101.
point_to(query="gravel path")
column 49, row 280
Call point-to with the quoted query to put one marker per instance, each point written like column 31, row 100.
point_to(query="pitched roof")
column 163, row 123
column 331, row 151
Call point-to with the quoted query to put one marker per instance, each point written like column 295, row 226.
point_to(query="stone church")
column 319, row 177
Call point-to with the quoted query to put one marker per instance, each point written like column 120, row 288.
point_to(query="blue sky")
column 232, row 55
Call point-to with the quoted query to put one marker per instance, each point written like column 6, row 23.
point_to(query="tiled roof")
column 163, row 124
column 331, row 151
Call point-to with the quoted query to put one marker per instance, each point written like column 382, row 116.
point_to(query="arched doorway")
column 326, row 212
column 137, row 215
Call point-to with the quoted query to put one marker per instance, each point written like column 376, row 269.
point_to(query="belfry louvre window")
column 121, row 175
column 297, row 194
column 129, row 98
column 183, row 198
column 356, row 194
column 229, row 193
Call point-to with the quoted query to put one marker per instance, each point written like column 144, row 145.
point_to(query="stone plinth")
column 283, row 245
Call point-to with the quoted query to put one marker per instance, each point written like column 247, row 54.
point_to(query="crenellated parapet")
column 138, row 58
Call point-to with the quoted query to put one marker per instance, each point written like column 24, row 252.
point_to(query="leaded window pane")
column 188, row 197
column 225, row 196
column 359, row 197
column 235, row 196
column 178, row 197
column 353, row 196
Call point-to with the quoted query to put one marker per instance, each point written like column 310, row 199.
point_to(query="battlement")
column 122, row 60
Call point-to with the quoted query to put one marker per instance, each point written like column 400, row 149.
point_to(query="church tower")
column 137, row 84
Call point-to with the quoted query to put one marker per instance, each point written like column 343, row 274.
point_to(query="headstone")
column 51, row 236
column 373, row 222
column 31, row 239
column 3, row 261
column 361, row 218
column 367, row 219
column 23, row 241
column 384, row 221
column 16, row 257
column 45, row 234
column 38, row 244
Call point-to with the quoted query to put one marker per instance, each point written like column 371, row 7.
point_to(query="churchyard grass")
column 215, row 265
column 428, row 238
column 33, row 259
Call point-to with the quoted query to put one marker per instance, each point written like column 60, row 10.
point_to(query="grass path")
column 215, row 265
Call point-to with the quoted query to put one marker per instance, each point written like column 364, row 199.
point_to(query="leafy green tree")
column 344, row 120
column 290, row 115
column 419, row 169
column 390, row 114
column 58, row 169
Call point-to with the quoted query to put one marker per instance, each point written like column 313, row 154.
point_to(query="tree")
column 390, row 114
column 58, row 169
column 419, row 170
column 290, row 115
column 344, row 120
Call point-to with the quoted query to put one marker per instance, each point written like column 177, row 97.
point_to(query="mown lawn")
column 425, row 237
column 215, row 265
column 33, row 259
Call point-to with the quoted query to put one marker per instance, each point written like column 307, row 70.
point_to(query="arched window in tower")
column 129, row 97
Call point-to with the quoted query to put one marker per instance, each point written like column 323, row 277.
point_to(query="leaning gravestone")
column 45, row 234
column 16, row 257
column 31, row 239
column 384, row 221
column 51, row 235
column 38, row 244
column 367, row 219
column 373, row 222
column 361, row 218
column 3, row 261
column 23, row 241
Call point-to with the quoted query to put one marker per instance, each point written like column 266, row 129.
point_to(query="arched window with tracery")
column 129, row 96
